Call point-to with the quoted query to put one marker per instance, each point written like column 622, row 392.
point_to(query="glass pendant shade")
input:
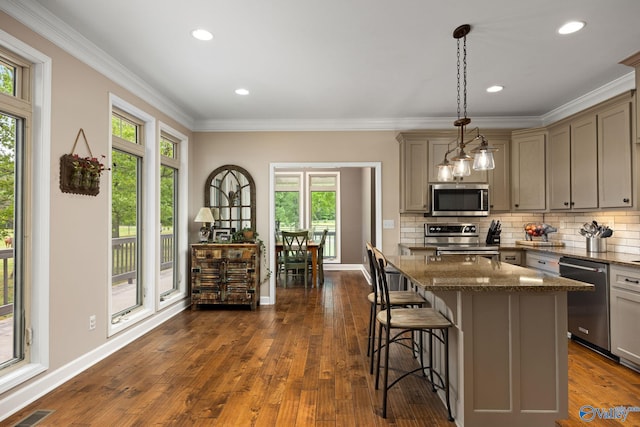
column 462, row 164
column 462, row 167
column 445, row 172
column 483, row 161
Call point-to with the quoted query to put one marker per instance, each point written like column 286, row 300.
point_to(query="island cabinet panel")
column 225, row 274
column 513, row 353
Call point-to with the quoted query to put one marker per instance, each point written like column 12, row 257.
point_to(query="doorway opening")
column 356, row 187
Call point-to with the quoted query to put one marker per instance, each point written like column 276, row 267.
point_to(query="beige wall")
column 256, row 151
column 80, row 230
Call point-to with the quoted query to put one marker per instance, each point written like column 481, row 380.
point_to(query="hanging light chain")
column 458, row 76
column 464, row 68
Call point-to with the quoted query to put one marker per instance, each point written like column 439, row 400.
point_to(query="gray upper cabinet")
column 572, row 164
column 584, row 163
column 634, row 61
column 528, row 191
column 414, row 187
column 499, row 178
column 614, row 155
column 558, row 171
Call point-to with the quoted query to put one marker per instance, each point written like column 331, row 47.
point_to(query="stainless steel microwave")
column 459, row 200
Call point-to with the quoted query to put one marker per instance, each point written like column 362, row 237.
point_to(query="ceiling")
column 358, row 63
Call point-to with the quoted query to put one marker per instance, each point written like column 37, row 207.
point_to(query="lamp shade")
column 445, row 172
column 204, row 215
column 483, row 161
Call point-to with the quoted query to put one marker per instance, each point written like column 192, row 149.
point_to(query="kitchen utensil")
column 606, row 233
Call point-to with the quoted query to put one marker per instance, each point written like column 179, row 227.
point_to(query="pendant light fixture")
column 483, row 154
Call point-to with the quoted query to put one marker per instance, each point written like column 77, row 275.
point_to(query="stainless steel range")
column 457, row 239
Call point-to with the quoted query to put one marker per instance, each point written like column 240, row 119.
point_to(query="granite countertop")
column 481, row 275
column 628, row 260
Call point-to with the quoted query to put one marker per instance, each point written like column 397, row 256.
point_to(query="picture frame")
column 222, row 235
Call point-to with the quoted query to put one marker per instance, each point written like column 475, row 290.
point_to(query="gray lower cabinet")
column 624, row 297
column 412, row 250
column 511, row 257
column 546, row 263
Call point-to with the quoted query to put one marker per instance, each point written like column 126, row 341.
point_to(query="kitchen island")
column 508, row 344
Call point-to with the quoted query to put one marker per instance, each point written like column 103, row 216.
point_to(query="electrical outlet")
column 92, row 322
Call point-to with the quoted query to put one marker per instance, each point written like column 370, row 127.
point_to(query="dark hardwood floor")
column 300, row 363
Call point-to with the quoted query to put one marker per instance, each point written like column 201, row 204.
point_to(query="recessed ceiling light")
column 242, row 91
column 571, row 27
column 495, row 88
column 201, row 34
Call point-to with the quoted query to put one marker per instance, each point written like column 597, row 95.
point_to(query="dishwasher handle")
column 581, row 267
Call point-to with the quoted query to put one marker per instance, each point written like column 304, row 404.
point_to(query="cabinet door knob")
column 566, row 203
column 625, row 200
column 517, row 205
column 573, row 203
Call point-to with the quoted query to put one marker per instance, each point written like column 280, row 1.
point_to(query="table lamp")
column 204, row 216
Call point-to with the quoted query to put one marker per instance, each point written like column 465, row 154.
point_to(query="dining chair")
column 320, row 257
column 416, row 321
column 294, row 254
column 396, row 299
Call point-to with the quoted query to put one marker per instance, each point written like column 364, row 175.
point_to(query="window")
column 309, row 200
column 288, row 201
column 169, row 254
column 126, row 213
column 24, row 226
column 15, row 112
column 323, row 210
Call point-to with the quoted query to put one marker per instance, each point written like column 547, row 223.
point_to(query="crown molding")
column 42, row 21
column 603, row 93
column 388, row 124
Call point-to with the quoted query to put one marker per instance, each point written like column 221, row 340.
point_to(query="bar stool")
column 396, row 299
column 415, row 320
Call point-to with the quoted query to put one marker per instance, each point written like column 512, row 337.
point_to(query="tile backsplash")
column 625, row 226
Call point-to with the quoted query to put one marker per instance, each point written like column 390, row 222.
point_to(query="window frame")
column 181, row 232
column 37, row 218
column 149, row 200
column 301, row 193
column 309, row 175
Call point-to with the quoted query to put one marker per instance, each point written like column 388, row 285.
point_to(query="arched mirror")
column 231, row 194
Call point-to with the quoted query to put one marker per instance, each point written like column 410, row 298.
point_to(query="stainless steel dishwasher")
column 588, row 311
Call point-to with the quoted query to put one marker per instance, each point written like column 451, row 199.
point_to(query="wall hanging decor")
column 80, row 175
